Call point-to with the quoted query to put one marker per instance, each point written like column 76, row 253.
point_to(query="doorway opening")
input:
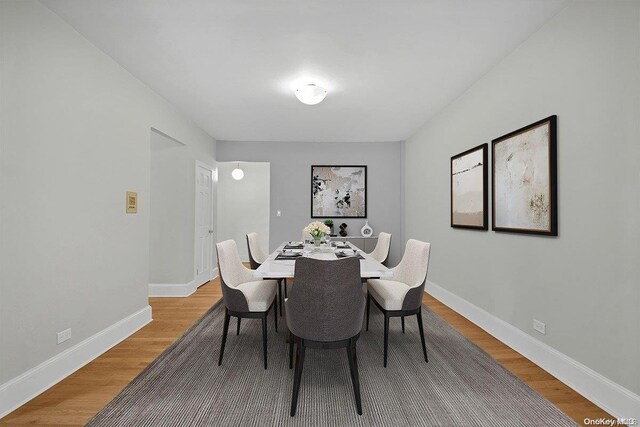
column 244, row 204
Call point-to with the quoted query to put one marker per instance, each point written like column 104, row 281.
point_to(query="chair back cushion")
column 326, row 302
column 412, row 271
column 232, row 274
column 381, row 251
column 256, row 254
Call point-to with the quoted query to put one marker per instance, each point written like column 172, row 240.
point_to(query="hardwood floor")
column 77, row 398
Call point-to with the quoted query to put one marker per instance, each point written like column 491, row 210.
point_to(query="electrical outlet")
column 540, row 327
column 64, row 335
column 278, row 213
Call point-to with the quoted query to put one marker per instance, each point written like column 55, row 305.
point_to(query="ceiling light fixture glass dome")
column 310, row 94
column 237, row 173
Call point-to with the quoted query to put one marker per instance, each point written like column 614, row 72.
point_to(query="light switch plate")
column 132, row 202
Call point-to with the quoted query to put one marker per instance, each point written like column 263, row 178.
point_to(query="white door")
column 204, row 224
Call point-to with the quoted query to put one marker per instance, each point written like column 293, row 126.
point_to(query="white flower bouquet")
column 317, row 230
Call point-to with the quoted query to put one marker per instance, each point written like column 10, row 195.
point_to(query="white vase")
column 366, row 231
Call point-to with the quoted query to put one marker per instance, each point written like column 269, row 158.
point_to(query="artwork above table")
column 338, row 191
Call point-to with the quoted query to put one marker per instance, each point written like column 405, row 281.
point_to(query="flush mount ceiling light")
column 310, row 94
column 237, row 173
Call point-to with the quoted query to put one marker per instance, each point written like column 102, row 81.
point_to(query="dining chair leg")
column 280, row 294
column 297, row 376
column 355, row 357
column 264, row 339
column 355, row 380
column 368, row 307
column 225, row 329
column 350, row 356
column 386, row 337
column 238, row 327
column 403, row 324
column 290, row 350
column 275, row 314
column 424, row 346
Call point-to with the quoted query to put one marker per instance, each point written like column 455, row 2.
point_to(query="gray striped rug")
column 460, row 386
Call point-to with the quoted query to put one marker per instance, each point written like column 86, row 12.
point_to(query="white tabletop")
column 276, row 269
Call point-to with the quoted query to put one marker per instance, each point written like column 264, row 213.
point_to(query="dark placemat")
column 281, row 257
column 341, row 255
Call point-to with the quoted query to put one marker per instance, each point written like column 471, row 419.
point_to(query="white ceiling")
column 229, row 64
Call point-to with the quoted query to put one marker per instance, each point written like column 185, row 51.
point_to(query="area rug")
column 460, row 386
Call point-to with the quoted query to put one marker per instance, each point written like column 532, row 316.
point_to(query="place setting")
column 345, row 253
column 293, row 245
column 340, row 245
column 288, row 254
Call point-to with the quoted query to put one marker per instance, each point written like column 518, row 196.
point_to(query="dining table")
column 281, row 263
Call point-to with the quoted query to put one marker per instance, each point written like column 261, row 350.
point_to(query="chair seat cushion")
column 259, row 294
column 388, row 293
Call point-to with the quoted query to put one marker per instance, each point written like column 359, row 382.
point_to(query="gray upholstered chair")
column 402, row 296
column 381, row 251
column 325, row 310
column 256, row 258
column 244, row 297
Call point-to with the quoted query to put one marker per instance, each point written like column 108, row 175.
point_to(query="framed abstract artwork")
column 469, row 199
column 338, row 191
column 524, row 180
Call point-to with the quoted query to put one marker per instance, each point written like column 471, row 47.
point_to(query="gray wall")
column 584, row 66
column 291, row 183
column 74, row 139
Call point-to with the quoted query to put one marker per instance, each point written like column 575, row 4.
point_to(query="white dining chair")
column 402, row 296
column 243, row 296
column 256, row 258
column 381, row 251
column 256, row 254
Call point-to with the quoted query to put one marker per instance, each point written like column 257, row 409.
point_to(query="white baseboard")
column 611, row 397
column 18, row 391
column 172, row 290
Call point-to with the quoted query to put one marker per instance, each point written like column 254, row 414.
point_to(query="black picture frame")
column 320, row 184
column 482, row 186
column 545, row 203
